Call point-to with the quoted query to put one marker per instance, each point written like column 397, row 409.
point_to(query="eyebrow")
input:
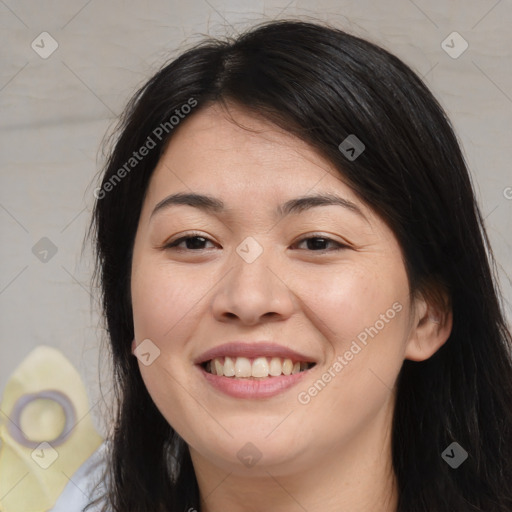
column 214, row 205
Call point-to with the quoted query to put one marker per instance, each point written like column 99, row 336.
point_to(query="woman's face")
column 267, row 282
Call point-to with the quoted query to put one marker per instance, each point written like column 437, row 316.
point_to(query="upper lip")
column 252, row 350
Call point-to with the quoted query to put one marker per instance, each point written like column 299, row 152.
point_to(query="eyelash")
column 177, row 242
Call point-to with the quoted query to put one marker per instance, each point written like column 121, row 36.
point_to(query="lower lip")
column 253, row 388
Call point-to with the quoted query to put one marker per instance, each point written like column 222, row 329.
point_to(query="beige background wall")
column 55, row 111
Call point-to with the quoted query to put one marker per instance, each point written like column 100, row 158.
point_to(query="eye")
column 318, row 242
column 192, row 243
column 197, row 242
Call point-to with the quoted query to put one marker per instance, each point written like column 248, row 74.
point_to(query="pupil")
column 192, row 243
column 313, row 243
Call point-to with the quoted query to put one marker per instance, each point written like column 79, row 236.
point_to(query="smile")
column 258, row 367
column 253, row 370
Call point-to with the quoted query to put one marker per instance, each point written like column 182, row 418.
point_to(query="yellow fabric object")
column 46, row 432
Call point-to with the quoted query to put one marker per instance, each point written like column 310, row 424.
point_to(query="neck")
column 356, row 476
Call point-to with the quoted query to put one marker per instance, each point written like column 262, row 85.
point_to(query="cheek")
column 166, row 305
column 163, row 309
column 363, row 314
column 175, row 398
column 356, row 303
column 163, row 298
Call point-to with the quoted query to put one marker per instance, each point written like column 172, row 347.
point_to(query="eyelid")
column 170, row 243
column 328, row 238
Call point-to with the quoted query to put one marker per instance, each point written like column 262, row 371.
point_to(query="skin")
column 332, row 453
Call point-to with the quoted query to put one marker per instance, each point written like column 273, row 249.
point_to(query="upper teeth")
column 259, row 367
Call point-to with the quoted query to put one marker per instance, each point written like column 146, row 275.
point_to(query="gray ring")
column 49, row 394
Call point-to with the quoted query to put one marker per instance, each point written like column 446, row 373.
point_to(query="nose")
column 252, row 293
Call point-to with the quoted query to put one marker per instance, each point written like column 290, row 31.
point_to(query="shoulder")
column 85, row 485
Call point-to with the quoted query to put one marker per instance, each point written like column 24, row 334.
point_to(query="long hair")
column 322, row 85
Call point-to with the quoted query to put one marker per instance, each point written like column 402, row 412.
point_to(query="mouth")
column 255, row 367
column 253, row 370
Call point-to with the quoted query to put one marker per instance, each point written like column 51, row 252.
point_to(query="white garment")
column 80, row 490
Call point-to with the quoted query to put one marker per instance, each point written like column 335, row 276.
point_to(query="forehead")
column 234, row 141
column 237, row 155
column 226, row 125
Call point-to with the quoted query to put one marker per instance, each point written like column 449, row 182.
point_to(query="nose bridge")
column 251, row 289
column 252, row 269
